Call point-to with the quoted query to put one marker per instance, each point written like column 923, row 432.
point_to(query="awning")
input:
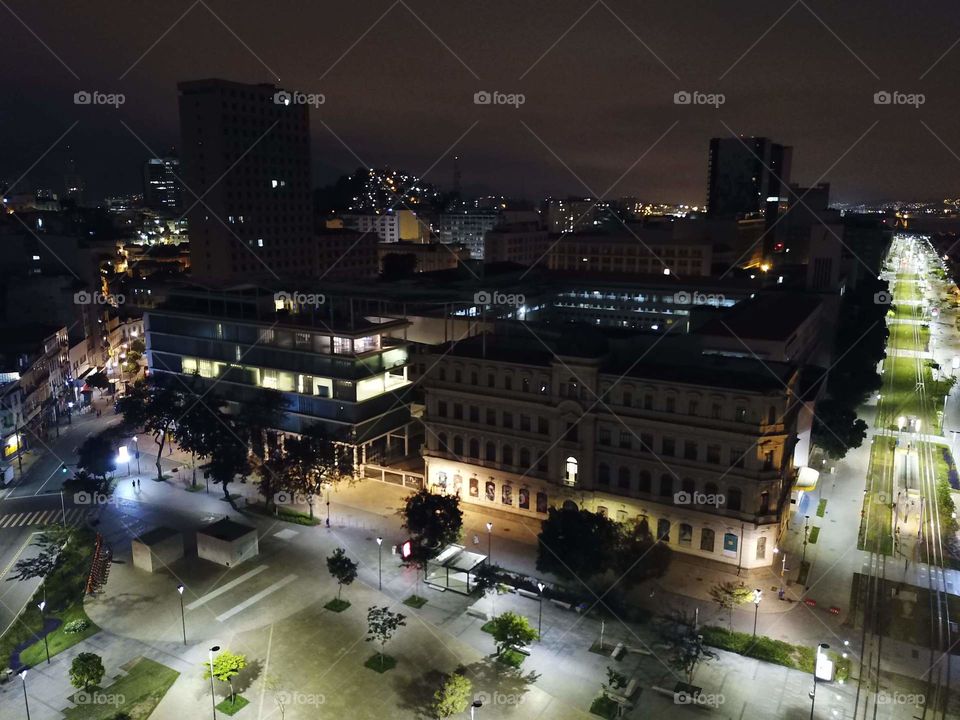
column 807, row 479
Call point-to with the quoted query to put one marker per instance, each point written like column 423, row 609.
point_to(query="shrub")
column 76, row 626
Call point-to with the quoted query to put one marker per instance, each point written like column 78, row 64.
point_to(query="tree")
column 729, row 595
column 685, row 644
column 434, row 520
column 97, row 455
column 228, row 449
column 615, row 681
column 576, row 543
column 453, row 696
column 86, row 671
column 512, row 631
column 226, row 666
column 85, row 485
column 193, row 430
column 153, row 406
column 382, row 624
column 836, row 428
column 311, row 461
column 343, row 569
column 51, row 543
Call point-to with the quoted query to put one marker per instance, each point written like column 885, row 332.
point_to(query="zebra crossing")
column 75, row 516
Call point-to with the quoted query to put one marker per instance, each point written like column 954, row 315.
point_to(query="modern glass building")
column 334, row 368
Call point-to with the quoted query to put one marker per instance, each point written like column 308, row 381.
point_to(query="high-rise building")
column 162, row 189
column 747, row 176
column 246, row 154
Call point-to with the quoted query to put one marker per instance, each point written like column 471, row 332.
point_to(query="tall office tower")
column 747, row 176
column 162, row 189
column 246, row 154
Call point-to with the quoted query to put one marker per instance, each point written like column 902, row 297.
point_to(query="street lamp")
column 213, row 695
column 477, row 704
column 540, row 587
column 328, row 507
column 757, row 594
column 42, row 604
column 816, row 673
column 183, row 617
column 136, row 451
column 124, row 457
column 23, row 678
column 806, row 530
column 379, row 563
column 489, row 542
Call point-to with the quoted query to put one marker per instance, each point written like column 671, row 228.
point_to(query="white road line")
column 5, row 519
column 256, row 598
column 31, row 517
column 226, row 587
column 17, row 519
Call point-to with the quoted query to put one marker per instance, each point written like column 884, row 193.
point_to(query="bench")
column 527, row 594
column 475, row 612
column 616, row 651
column 560, row 603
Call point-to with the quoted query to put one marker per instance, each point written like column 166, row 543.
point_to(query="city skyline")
column 803, row 74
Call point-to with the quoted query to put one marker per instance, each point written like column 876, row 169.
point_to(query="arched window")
column 707, row 538
column 457, row 445
column 645, row 481
column 623, row 477
column 490, row 453
column 603, row 474
column 525, row 458
column 475, row 448
column 570, row 471
column 734, row 497
column 442, row 443
column 508, row 454
column 688, row 486
column 666, row 486
column 686, row 534
column 663, row 530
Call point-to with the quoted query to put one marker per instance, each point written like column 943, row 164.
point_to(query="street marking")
column 256, row 598
column 225, row 588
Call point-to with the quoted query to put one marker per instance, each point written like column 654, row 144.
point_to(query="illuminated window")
column 570, row 475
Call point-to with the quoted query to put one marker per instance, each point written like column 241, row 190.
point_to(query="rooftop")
column 227, row 530
column 770, row 316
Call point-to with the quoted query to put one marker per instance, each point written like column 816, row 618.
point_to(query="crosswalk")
column 75, row 516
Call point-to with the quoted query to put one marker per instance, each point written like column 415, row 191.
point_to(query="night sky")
column 598, row 79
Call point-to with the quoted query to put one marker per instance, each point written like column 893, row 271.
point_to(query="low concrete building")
column 227, row 542
column 156, row 549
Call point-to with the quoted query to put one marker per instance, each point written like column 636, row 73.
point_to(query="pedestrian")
column 134, row 483
column 138, row 483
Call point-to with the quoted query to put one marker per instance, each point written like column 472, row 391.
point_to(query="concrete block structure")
column 227, row 542
column 156, row 549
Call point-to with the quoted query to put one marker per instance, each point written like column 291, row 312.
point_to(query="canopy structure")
column 454, row 569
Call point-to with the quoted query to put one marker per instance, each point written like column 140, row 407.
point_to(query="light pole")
column 379, row 563
column 213, row 695
column 540, row 587
column 136, row 452
column 477, row 704
column 489, row 542
column 46, row 646
column 757, row 594
column 63, row 510
column 183, row 617
column 23, row 679
column 806, row 530
column 328, row 507
column 813, row 695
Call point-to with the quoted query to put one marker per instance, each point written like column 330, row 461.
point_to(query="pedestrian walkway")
column 74, row 516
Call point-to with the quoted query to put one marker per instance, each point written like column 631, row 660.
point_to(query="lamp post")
column 136, row 451
column 213, row 695
column 813, row 695
column 328, row 507
column 540, row 587
column 806, row 530
column 183, row 617
column 489, row 542
column 757, row 594
column 379, row 563
column 23, row 679
column 46, row 646
column 476, row 705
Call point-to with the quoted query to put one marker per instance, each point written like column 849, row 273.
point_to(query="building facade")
column 644, row 251
column 699, row 447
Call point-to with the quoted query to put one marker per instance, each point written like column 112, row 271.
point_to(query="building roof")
column 157, row 535
column 227, row 530
column 770, row 316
